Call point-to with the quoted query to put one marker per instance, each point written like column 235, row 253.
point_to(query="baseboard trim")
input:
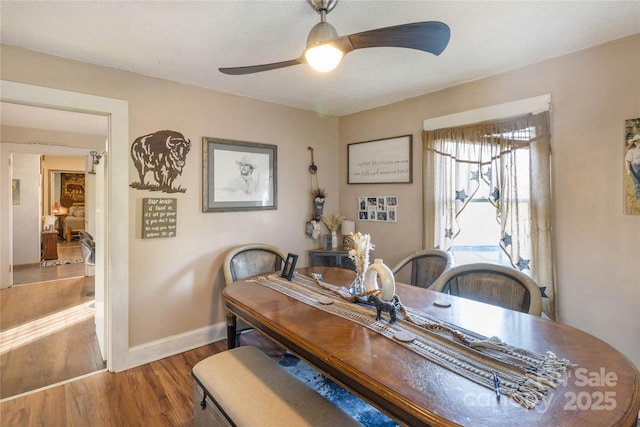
column 25, row 266
column 175, row 344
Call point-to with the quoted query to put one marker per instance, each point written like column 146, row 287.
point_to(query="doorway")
column 49, row 319
column 112, row 307
column 54, row 211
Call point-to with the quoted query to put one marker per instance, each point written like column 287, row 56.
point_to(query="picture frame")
column 631, row 177
column 238, row 175
column 289, row 266
column 72, row 188
column 378, row 208
column 15, row 191
column 381, row 161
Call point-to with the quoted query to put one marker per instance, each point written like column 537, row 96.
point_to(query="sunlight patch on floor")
column 29, row 332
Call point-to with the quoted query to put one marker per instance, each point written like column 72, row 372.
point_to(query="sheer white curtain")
column 513, row 157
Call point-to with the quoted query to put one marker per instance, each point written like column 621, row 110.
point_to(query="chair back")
column 251, row 259
column 87, row 247
column 426, row 266
column 492, row 284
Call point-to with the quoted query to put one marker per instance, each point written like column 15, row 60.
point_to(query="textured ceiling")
column 187, row 41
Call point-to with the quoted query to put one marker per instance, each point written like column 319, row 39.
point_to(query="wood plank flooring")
column 25, row 274
column 45, row 339
column 26, row 303
column 155, row 394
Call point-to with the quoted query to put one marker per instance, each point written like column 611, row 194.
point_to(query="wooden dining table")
column 601, row 388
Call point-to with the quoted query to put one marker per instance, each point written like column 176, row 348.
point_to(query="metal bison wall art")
column 159, row 158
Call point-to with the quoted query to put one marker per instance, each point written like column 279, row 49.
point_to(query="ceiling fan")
column 325, row 49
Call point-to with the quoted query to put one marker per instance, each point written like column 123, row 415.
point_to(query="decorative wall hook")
column 95, row 160
column 313, row 169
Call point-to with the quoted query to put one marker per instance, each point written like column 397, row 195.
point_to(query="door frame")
column 115, row 228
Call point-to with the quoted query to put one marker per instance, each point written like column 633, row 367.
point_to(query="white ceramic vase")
column 387, row 280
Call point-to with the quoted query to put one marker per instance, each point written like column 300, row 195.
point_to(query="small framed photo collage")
column 378, row 208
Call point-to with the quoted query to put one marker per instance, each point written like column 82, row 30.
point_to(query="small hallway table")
column 602, row 387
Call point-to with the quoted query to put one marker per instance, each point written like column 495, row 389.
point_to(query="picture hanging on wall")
column 378, row 208
column 238, row 175
column 383, row 161
column 71, row 188
column 15, row 191
column 632, row 167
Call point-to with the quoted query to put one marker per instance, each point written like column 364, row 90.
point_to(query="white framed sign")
column 383, row 161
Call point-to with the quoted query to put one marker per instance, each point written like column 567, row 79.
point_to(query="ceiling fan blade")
column 430, row 36
column 238, row 71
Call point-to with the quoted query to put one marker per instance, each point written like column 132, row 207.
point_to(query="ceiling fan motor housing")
column 321, row 33
column 326, row 5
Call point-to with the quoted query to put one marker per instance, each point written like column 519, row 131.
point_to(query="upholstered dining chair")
column 251, row 259
column 248, row 260
column 492, row 284
column 425, row 265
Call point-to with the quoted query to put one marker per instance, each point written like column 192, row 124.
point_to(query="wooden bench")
column 245, row 387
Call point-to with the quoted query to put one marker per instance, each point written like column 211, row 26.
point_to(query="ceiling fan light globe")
column 323, row 58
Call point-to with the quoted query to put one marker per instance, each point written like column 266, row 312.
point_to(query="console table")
column 338, row 257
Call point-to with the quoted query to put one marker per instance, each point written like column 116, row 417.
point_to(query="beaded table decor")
column 520, row 374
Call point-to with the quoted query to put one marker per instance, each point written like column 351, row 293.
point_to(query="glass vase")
column 358, row 287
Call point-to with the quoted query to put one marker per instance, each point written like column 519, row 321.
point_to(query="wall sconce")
column 95, row 160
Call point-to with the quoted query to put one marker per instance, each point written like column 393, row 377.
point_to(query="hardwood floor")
column 69, row 251
column 47, row 332
column 155, row 394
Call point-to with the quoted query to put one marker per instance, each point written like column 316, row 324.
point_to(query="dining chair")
column 426, row 265
column 492, row 284
column 251, row 259
column 245, row 261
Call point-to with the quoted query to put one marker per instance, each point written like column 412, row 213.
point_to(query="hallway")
column 67, row 252
column 47, row 328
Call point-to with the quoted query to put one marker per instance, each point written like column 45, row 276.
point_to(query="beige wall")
column 175, row 283
column 26, row 214
column 597, row 247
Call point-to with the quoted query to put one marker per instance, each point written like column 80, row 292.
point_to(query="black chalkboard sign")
column 159, row 218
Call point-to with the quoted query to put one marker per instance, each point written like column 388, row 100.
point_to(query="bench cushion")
column 251, row 389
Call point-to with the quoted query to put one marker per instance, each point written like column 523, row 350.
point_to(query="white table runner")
column 524, row 376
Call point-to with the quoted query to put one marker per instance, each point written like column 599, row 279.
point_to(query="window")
column 488, row 195
column 479, row 237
